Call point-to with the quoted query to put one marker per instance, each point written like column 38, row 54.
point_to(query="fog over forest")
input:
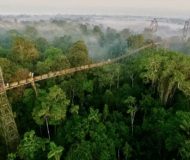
column 79, row 27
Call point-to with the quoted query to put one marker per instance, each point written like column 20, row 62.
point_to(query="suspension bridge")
column 8, row 124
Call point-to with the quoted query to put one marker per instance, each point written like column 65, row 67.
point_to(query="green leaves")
column 127, row 150
column 184, row 119
column 94, row 115
column 74, row 109
column 55, row 151
column 54, row 60
column 80, row 151
column 185, row 150
column 135, row 41
column 11, row 156
column 164, row 72
column 30, row 146
column 78, row 54
column 8, row 68
column 52, row 105
column 24, row 50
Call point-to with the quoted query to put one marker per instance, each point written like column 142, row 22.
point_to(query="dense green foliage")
column 138, row 108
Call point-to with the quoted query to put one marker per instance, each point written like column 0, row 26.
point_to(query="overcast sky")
column 133, row 7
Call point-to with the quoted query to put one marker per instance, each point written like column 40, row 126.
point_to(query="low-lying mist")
column 103, row 35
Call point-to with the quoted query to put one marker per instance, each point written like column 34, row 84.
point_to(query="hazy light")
column 137, row 7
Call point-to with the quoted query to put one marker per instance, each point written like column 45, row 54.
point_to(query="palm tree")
column 55, row 151
column 132, row 109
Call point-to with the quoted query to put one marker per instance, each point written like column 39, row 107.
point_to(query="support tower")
column 186, row 29
column 154, row 25
column 7, row 122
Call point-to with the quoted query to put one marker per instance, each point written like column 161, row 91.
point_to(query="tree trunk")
column 132, row 80
column 47, row 125
column 73, row 95
column 118, row 78
column 118, row 154
column 40, row 130
column 57, row 157
column 55, row 129
column 132, row 122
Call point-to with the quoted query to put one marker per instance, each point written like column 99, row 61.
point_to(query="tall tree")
column 132, row 109
column 165, row 73
column 78, row 54
column 51, row 107
column 24, row 51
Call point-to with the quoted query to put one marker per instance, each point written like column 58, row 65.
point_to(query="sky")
column 174, row 8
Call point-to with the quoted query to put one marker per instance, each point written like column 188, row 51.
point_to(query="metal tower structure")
column 186, row 29
column 7, row 122
column 154, row 25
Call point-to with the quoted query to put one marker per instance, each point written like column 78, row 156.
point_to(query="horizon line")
column 91, row 14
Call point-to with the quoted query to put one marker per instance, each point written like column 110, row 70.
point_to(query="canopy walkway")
column 8, row 125
column 49, row 75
